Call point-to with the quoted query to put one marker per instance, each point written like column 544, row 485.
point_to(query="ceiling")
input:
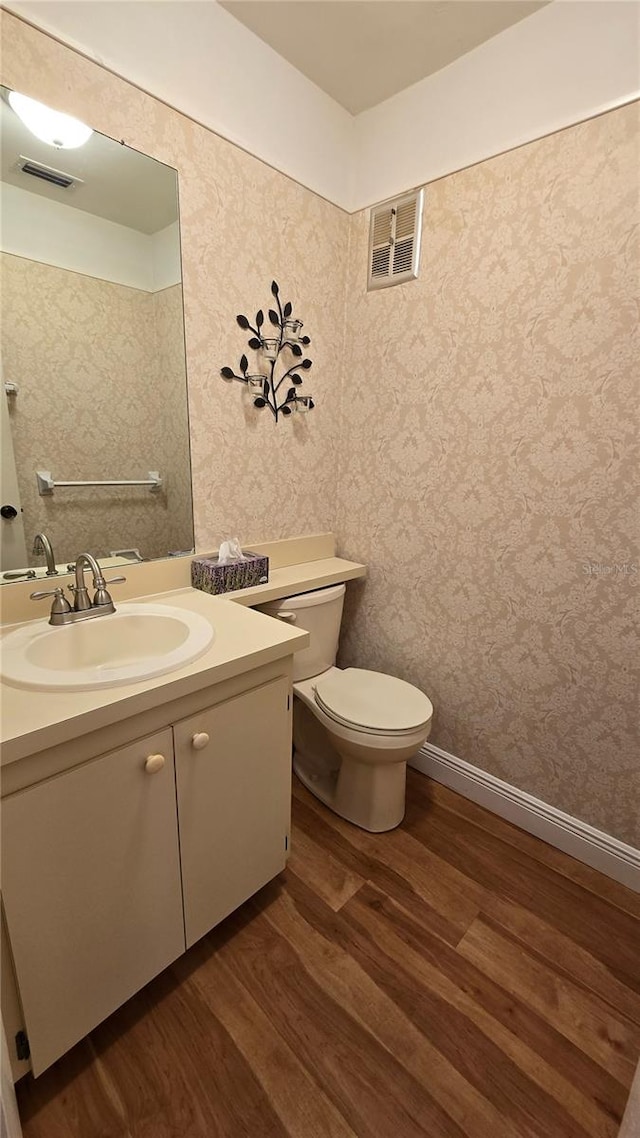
column 119, row 183
column 361, row 52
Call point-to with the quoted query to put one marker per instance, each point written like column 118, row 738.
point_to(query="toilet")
column 353, row 730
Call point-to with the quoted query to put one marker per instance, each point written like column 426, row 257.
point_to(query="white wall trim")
column 199, row 59
column 561, row 65
column 593, row 847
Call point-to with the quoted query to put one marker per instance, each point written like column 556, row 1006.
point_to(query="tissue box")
column 210, row 577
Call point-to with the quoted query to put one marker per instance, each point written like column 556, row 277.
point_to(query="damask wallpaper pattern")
column 171, row 408
column 489, row 468
column 473, row 431
column 100, row 368
column 241, row 224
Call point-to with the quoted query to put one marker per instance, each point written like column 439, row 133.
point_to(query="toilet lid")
column 372, row 700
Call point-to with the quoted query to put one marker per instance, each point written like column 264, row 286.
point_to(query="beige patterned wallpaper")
column 172, row 410
column 488, row 468
column 242, row 224
column 102, row 396
column 482, row 418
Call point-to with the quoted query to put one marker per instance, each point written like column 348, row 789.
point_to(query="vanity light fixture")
column 265, row 387
column 53, row 127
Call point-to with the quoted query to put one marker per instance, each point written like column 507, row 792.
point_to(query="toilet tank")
column 319, row 613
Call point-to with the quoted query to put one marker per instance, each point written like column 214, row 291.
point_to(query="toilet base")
column 360, row 796
column 369, row 794
column 321, row 785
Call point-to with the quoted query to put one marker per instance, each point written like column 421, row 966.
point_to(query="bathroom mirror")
column 93, row 363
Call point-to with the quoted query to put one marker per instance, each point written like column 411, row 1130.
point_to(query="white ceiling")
column 119, row 183
column 360, row 52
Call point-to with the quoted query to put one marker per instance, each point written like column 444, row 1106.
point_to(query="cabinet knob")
column 199, row 740
column 154, row 763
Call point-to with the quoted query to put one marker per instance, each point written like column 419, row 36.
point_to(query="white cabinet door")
column 91, row 888
column 233, row 774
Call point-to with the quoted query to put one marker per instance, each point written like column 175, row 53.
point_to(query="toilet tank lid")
column 305, row 600
column 373, row 700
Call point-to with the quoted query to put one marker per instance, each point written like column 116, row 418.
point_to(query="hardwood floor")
column 456, row 978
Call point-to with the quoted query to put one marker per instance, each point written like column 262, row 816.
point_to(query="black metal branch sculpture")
column 288, row 339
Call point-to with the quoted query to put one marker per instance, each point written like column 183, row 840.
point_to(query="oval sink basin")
column 137, row 642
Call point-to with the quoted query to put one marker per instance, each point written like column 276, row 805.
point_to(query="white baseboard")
column 584, row 842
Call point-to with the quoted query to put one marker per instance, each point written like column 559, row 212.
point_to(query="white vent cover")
column 394, row 240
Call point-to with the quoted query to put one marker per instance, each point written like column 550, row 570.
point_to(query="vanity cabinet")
column 113, row 866
column 91, row 888
column 233, row 780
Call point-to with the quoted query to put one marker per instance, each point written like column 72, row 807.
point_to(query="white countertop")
column 302, row 578
column 34, row 720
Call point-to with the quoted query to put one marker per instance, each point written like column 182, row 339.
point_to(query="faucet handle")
column 102, row 597
column 60, row 602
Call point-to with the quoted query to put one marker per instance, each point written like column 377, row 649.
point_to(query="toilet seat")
column 372, row 702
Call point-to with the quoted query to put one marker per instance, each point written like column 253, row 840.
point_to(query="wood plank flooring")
column 456, row 978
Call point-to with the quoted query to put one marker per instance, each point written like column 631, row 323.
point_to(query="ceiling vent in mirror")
column 48, row 173
column 394, row 240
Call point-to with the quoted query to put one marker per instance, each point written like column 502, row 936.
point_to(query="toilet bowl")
column 353, row 729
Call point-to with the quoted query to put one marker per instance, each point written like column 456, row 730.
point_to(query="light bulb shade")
column 52, row 127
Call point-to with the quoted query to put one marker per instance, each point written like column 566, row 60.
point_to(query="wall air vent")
column 48, row 173
column 394, row 240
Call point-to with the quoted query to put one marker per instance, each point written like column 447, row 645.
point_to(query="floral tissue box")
column 211, row 577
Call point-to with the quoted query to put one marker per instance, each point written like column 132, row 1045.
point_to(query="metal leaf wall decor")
column 278, row 388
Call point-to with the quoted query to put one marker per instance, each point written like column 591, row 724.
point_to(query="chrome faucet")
column 83, row 607
column 41, row 544
column 81, row 596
